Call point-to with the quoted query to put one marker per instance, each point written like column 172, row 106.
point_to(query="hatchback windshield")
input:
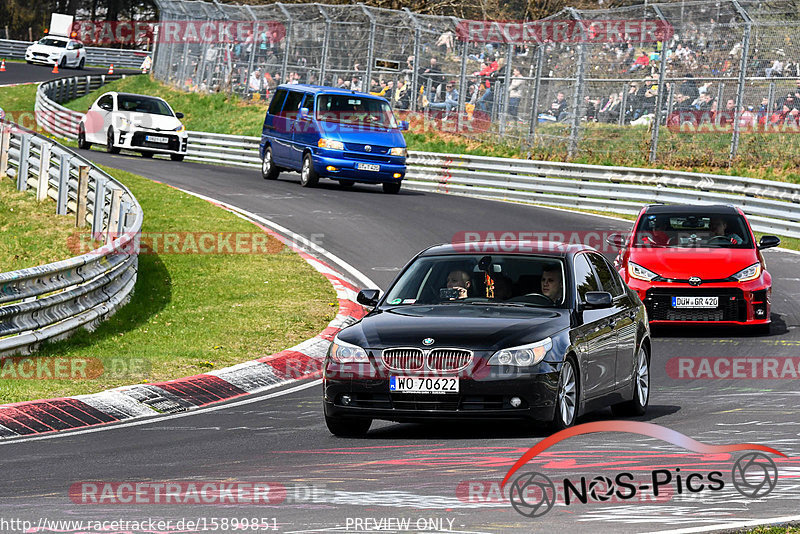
column 356, row 110
column 49, row 41
column 692, row 230
column 464, row 279
column 144, row 104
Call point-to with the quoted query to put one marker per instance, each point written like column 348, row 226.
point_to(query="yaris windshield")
column 481, row 279
column 144, row 104
column 683, row 231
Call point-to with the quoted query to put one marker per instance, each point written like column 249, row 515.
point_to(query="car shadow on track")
column 497, row 429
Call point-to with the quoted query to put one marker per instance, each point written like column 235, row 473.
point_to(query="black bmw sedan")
column 536, row 331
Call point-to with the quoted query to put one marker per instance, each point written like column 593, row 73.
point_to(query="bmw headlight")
column 523, row 355
column 750, row 273
column 640, row 273
column 398, row 151
column 343, row 352
column 330, row 143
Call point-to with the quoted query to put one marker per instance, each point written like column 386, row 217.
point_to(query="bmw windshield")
column 481, row 279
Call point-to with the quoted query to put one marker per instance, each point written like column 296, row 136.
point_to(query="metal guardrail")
column 49, row 302
column 94, row 55
column 771, row 206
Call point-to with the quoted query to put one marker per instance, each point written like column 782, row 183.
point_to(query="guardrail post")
column 98, row 205
column 113, row 215
column 5, row 146
column 65, row 161
column 124, row 209
column 83, row 194
column 24, row 154
column 44, row 172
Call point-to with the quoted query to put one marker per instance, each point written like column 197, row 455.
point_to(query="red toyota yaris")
column 697, row 264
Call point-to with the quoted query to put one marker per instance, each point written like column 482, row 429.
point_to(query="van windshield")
column 355, row 110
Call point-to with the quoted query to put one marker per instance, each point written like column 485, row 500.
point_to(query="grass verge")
column 190, row 313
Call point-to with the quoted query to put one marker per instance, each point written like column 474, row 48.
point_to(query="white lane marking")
column 297, row 238
column 731, row 525
column 161, row 418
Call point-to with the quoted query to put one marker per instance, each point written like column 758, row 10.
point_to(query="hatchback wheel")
column 641, row 388
column 567, row 397
column 110, row 148
column 308, row 176
column 82, row 144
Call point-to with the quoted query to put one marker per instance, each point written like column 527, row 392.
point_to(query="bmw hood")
column 476, row 327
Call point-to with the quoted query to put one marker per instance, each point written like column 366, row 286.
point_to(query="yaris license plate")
column 421, row 384
column 695, row 302
column 156, row 139
column 368, row 167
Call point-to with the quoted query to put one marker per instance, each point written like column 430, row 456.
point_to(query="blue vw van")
column 325, row 132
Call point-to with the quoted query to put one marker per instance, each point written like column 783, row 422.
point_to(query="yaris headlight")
column 523, row 355
column 750, row 273
column 640, row 273
column 343, row 352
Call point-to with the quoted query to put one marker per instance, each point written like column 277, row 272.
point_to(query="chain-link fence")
column 691, row 82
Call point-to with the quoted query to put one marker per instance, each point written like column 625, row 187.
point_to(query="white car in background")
column 142, row 123
column 57, row 50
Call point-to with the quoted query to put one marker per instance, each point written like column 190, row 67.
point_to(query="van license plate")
column 156, row 139
column 368, row 167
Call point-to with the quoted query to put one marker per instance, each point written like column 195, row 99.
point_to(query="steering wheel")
column 719, row 239
column 544, row 299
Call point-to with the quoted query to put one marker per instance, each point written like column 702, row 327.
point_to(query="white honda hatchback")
column 146, row 124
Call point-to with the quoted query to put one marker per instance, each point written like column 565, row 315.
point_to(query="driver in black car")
column 552, row 285
column 719, row 228
column 460, row 281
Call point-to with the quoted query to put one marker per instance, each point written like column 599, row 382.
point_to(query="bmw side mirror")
column 179, row 115
column 404, row 125
column 768, row 241
column 368, row 297
column 616, row 240
column 595, row 300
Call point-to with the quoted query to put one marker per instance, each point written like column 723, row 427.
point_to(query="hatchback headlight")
column 343, row 352
column 124, row 123
column 180, row 129
column 523, row 355
column 398, row 151
column 640, row 273
column 750, row 273
column 330, row 143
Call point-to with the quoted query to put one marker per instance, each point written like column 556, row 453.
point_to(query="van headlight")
column 343, row 352
column 330, row 144
column 523, row 355
column 398, row 151
column 750, row 273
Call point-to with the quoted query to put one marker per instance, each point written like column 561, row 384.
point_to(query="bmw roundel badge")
column 428, row 341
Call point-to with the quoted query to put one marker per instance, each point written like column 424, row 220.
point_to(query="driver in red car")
column 719, row 228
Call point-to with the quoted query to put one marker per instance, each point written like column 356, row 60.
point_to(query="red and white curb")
column 300, row 362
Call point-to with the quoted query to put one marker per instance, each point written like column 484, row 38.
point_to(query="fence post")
column 537, row 85
column 325, row 45
column 416, row 66
column 252, row 50
column 461, row 112
column 5, row 146
column 660, row 96
column 113, row 215
column 290, row 23
column 63, row 183
column 503, row 110
column 623, row 104
column 771, row 103
column 98, row 206
column 367, row 85
column 577, row 94
column 44, row 172
column 83, row 194
column 22, row 170
column 741, row 81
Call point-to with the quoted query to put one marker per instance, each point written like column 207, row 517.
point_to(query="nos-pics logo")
column 533, row 494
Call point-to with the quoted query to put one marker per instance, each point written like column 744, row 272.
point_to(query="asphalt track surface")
column 423, row 472
column 25, row 73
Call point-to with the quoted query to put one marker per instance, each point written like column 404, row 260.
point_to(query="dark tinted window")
column 608, row 280
column 143, row 104
column 106, row 102
column 584, row 276
column 309, row 103
column 277, row 102
column 292, row 104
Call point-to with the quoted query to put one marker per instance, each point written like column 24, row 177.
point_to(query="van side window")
column 277, row 102
column 292, row 104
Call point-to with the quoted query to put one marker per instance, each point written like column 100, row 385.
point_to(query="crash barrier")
column 94, row 55
column 55, row 118
column 50, row 302
column 771, row 206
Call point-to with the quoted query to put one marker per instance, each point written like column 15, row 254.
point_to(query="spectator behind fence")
column 450, row 100
column 609, row 111
column 515, row 93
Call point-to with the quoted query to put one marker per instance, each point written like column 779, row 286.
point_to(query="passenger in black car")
column 551, row 282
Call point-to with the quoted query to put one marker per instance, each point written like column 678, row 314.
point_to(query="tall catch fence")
column 694, row 82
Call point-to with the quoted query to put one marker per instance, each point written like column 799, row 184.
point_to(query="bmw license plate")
column 421, row 384
column 695, row 302
column 156, row 139
column 368, row 167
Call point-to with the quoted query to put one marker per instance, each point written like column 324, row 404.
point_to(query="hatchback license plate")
column 695, row 302
column 421, row 384
column 368, row 167
column 156, row 139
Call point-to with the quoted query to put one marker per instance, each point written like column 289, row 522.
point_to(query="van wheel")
column 268, row 169
column 391, row 188
column 110, row 148
column 308, row 176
